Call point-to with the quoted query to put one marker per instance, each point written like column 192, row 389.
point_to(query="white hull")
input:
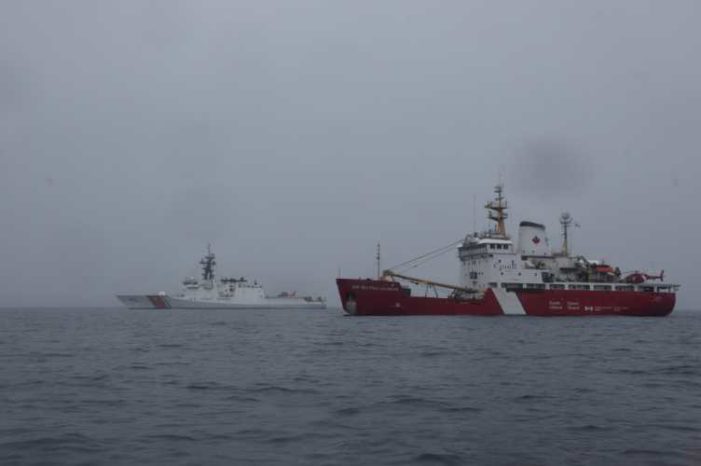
column 169, row 302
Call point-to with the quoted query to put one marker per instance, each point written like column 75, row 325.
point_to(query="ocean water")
column 176, row 387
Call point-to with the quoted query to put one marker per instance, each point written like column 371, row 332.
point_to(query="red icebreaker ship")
column 527, row 278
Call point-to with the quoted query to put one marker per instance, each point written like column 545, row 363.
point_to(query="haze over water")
column 294, row 136
column 113, row 386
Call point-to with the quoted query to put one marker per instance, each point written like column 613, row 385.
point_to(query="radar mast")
column 565, row 220
column 378, row 258
column 497, row 211
column 208, row 264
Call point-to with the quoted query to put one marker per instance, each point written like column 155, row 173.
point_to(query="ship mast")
column 565, row 221
column 208, row 264
column 497, row 211
column 379, row 263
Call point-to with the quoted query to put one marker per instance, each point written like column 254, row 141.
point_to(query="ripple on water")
column 183, row 388
column 642, row 454
column 69, row 442
column 282, row 390
column 681, row 369
column 447, row 459
column 170, row 438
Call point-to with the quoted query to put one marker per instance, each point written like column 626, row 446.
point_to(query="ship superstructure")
column 499, row 276
column 208, row 292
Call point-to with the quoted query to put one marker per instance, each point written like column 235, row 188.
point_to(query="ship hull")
column 170, row 302
column 377, row 297
column 143, row 301
column 584, row 303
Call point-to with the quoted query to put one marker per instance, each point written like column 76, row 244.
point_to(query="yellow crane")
column 388, row 274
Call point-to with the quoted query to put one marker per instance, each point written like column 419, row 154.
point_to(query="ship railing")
column 583, row 286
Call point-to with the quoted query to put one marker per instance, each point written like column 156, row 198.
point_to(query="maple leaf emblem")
column 535, row 240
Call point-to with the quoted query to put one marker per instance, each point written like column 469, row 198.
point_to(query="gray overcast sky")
column 295, row 135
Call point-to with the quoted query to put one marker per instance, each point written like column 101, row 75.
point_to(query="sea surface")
column 177, row 387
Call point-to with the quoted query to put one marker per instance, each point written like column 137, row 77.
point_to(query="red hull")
column 376, row 297
column 583, row 303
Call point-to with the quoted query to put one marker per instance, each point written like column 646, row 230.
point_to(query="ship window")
column 579, row 287
column 624, row 288
column 557, row 286
column 602, row 287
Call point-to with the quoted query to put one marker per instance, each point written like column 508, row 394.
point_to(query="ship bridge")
column 485, row 245
column 490, row 258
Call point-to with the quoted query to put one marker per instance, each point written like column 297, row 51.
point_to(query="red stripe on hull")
column 585, row 303
column 159, row 302
column 381, row 298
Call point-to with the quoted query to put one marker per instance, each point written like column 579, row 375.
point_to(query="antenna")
column 565, row 220
column 474, row 213
column 379, row 263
